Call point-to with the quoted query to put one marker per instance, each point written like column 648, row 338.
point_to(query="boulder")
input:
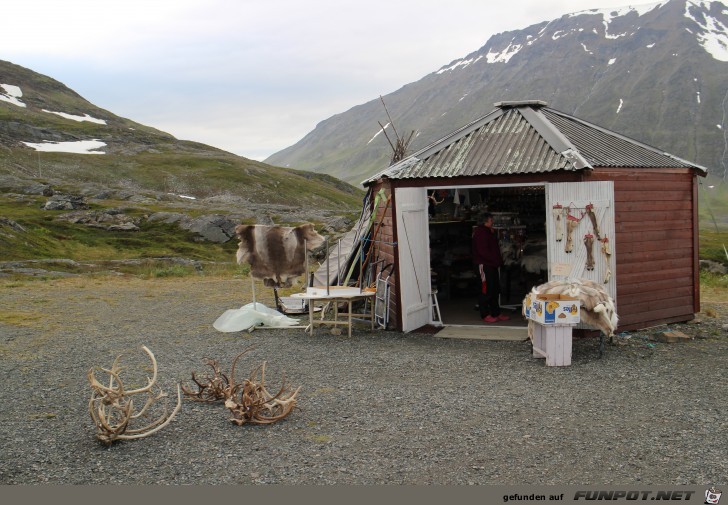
column 168, row 217
column 337, row 224
column 213, row 227
column 110, row 219
column 713, row 267
column 65, row 202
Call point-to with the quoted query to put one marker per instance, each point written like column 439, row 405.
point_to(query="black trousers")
column 488, row 302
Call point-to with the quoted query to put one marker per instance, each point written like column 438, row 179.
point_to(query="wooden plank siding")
column 655, row 245
column 385, row 249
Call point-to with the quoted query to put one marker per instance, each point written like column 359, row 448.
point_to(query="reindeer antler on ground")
column 213, row 390
column 112, row 407
column 248, row 401
column 252, row 403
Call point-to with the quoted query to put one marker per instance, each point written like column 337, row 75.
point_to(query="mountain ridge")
column 645, row 72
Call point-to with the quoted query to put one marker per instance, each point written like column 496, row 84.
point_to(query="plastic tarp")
column 251, row 315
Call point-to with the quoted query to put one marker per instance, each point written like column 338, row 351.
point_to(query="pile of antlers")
column 249, row 401
column 112, row 407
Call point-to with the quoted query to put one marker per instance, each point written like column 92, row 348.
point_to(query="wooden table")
column 336, row 299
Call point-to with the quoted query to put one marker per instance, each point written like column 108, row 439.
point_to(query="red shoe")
column 503, row 317
column 490, row 319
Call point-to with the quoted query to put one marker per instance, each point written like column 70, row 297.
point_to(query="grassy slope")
column 44, row 237
column 713, row 209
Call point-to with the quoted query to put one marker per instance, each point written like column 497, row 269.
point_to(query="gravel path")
column 376, row 408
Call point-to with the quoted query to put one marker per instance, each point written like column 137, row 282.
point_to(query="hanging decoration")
column 606, row 251
column 571, row 223
column 558, row 215
column 593, row 218
column 589, row 243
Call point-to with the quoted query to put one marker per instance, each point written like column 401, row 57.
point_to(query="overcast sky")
column 252, row 77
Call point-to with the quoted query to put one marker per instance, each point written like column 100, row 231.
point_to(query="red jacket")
column 486, row 250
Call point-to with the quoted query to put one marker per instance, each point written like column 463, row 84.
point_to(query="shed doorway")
column 519, row 218
column 439, row 243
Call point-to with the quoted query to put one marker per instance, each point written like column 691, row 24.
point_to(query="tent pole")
column 252, row 283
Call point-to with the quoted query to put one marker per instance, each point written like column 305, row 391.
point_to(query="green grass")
column 713, row 219
column 713, row 281
column 45, row 237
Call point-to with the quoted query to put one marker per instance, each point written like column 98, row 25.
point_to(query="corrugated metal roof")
column 527, row 138
column 605, row 148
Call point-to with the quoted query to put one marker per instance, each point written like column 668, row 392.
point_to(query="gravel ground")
column 376, row 408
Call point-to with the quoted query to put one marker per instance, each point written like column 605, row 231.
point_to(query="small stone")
column 671, row 337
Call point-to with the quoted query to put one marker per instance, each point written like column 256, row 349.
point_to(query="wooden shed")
column 540, row 172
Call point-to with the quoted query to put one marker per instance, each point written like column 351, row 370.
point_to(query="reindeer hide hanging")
column 276, row 254
column 607, row 252
column 593, row 218
column 558, row 214
column 571, row 224
column 589, row 243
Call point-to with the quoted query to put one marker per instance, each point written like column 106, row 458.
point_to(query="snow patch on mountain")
column 458, row 63
column 74, row 117
column 608, row 15
column 714, row 34
column 11, row 94
column 79, row 147
column 504, row 55
column 380, row 131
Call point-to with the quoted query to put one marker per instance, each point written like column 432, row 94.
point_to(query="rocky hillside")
column 657, row 73
column 80, row 183
column 48, row 133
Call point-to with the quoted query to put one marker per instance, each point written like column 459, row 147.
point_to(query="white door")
column 576, row 196
column 414, row 257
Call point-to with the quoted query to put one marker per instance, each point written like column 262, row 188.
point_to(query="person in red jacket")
column 488, row 260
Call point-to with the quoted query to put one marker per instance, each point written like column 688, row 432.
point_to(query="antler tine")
column 150, row 400
column 135, row 433
column 117, row 391
column 153, row 380
column 254, row 374
column 235, row 362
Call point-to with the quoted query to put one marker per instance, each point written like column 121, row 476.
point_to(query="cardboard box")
column 554, row 309
column 527, row 306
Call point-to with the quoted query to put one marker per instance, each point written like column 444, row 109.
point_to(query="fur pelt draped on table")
column 276, row 254
column 597, row 307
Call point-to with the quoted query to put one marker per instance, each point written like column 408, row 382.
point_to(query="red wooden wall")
column 656, row 247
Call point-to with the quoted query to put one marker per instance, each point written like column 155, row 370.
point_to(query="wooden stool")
column 552, row 342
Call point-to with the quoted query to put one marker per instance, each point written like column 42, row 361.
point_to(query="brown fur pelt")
column 276, row 254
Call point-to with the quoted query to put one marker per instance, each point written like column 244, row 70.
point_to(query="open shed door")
column 576, row 196
column 413, row 256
